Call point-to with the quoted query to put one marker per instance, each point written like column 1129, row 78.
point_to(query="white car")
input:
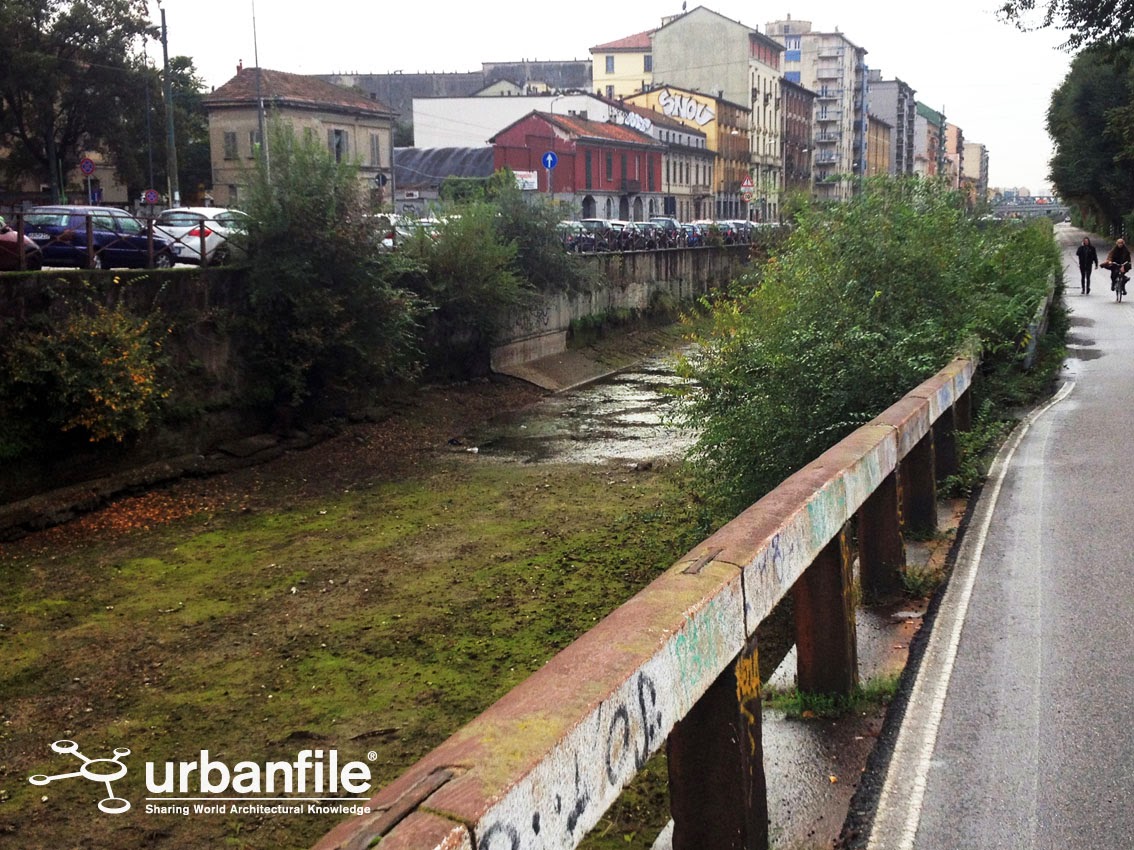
column 217, row 231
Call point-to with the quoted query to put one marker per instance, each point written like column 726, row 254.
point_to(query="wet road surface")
column 1018, row 733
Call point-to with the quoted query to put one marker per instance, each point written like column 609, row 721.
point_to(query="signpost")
column 549, row 160
column 87, row 166
column 746, row 188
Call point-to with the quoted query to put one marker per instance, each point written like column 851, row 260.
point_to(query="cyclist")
column 1119, row 258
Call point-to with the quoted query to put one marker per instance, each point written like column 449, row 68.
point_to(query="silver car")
column 215, row 232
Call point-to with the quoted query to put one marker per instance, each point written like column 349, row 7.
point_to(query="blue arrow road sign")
column 550, row 160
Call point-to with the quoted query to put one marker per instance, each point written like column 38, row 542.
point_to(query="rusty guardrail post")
column 919, row 487
column 825, row 622
column 718, row 796
column 881, row 549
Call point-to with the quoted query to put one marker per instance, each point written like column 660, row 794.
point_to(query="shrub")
column 96, row 374
column 864, row 301
column 323, row 315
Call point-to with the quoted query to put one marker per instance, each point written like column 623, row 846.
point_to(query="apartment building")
column 929, row 141
column 974, row 173
column 798, row 109
column 704, row 51
column 835, row 69
column 624, row 66
column 878, row 136
column 894, row 101
column 954, row 154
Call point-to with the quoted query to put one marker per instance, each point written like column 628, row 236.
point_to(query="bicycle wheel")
column 1118, row 289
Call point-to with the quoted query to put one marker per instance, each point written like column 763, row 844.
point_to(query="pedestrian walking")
column 1088, row 260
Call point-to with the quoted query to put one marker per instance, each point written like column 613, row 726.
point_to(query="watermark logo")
column 104, row 771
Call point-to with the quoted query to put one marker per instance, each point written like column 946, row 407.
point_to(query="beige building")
column 974, row 173
column 356, row 127
column 703, row 51
column 879, row 136
column 954, row 154
column 834, row 68
column 715, row 191
column 623, row 67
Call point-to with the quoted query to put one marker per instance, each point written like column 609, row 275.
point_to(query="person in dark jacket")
column 1088, row 259
column 1119, row 256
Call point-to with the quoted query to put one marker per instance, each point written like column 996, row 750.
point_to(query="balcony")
column 829, row 94
column 826, row 138
column 828, row 71
column 826, row 158
column 829, row 116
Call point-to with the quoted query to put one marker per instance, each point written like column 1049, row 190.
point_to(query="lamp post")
column 171, row 144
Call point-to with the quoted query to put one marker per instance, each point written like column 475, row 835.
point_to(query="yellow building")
column 878, row 136
column 623, row 67
column 725, row 125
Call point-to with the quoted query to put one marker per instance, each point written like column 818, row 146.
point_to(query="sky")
column 988, row 77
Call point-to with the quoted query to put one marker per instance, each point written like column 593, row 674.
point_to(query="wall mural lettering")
column 685, row 107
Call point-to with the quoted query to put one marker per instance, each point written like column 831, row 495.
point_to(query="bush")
column 323, row 315
column 96, row 374
column 863, row 302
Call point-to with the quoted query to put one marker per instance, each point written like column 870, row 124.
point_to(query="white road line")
column 899, row 805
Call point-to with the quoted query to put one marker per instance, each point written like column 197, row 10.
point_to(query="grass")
column 800, row 705
column 374, row 621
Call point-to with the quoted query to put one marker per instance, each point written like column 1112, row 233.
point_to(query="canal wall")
column 637, row 281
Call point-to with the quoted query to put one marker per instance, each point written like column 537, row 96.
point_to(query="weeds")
column 800, row 705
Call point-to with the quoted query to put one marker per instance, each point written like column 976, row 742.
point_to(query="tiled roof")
column 585, row 129
column 279, row 88
column 638, row 41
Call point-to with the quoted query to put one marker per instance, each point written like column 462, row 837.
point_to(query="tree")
column 1089, row 121
column 68, row 72
column 1102, row 22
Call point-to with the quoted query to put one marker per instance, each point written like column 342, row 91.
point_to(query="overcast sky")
column 989, row 78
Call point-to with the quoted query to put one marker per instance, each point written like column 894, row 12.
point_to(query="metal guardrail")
column 676, row 665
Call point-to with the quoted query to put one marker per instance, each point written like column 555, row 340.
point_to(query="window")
column 610, row 64
column 623, row 164
column 253, row 143
column 337, row 142
column 649, row 176
column 587, row 177
column 793, row 76
column 648, row 63
column 233, row 194
column 610, row 91
column 609, row 167
column 230, row 145
column 375, row 150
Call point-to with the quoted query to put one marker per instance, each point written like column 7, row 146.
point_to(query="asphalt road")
column 1020, row 727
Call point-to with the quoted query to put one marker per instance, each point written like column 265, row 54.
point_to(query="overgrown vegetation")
column 802, row 705
column 323, row 316
column 95, row 373
column 865, row 300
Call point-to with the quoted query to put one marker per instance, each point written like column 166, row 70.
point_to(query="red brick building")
column 603, row 170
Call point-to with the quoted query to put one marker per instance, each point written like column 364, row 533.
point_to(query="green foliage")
column 322, row 314
column 540, row 258
column 69, row 71
column 1088, row 22
column 864, row 301
column 96, row 373
column 802, row 705
column 1090, row 119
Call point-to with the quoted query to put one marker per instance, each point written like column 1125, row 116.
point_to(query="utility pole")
column 171, row 144
column 260, row 96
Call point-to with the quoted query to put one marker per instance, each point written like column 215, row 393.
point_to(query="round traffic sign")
column 549, row 160
column 86, row 165
column 151, row 196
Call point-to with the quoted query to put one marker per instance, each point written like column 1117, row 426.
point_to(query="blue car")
column 95, row 238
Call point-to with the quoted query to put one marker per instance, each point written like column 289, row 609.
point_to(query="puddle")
column 624, row 417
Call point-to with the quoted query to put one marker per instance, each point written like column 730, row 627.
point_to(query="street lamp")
column 171, row 143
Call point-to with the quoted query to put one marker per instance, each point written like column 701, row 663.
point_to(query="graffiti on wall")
column 685, row 107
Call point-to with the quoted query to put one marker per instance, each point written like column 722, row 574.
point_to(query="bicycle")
column 1118, row 282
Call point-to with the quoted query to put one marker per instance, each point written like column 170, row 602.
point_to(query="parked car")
column 576, row 237
column 95, row 238
column 692, row 235
column 10, row 251
column 671, row 227
column 221, row 231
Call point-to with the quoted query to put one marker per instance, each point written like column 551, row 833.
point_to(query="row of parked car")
column 94, row 237
column 601, row 234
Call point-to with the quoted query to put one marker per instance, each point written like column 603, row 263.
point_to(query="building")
column 975, row 171
column 441, row 122
column 894, row 102
column 624, row 66
column 603, row 170
column 954, row 154
column 419, row 173
column 356, row 127
column 798, row 109
column 835, row 69
column 878, row 153
column 703, row 51
column 725, row 126
column 929, row 141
